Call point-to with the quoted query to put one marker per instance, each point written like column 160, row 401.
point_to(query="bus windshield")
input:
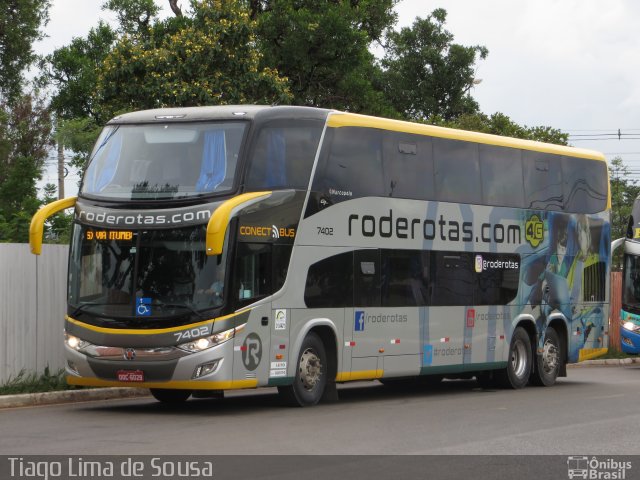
column 172, row 160
column 631, row 283
column 155, row 273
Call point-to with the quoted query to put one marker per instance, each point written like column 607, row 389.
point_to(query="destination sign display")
column 103, row 235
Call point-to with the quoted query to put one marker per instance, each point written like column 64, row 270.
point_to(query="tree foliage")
column 73, row 71
column 500, row 124
column 322, row 48
column 20, row 25
column 305, row 52
column 426, row 75
column 25, row 137
column 25, row 125
column 209, row 58
column 624, row 191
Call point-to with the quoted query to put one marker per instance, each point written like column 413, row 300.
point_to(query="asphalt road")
column 596, row 410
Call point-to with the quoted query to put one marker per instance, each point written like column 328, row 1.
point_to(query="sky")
column 567, row 64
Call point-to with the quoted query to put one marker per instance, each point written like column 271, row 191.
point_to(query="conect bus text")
column 427, row 229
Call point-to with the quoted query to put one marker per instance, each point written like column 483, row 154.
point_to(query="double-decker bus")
column 630, row 312
column 233, row 247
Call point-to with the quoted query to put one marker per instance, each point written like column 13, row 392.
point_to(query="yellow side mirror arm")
column 36, row 229
column 219, row 221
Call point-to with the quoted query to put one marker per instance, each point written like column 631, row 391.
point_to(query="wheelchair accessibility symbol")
column 143, row 307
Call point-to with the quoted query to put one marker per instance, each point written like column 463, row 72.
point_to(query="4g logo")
column 534, row 231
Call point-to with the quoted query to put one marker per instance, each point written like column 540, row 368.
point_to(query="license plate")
column 130, row 376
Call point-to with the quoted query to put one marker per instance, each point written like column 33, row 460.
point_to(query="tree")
column 25, row 125
column 624, row 191
column 25, row 137
column 73, row 71
column 500, row 124
column 20, row 25
column 425, row 74
column 322, row 47
column 208, row 58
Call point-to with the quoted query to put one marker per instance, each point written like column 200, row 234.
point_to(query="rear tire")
column 166, row 395
column 549, row 363
column 518, row 370
column 311, row 374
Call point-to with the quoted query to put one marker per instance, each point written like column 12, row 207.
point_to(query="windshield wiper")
column 180, row 305
column 83, row 307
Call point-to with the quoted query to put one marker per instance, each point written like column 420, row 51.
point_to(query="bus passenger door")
column 366, row 360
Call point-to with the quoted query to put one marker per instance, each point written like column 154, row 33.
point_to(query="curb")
column 608, row 362
column 69, row 396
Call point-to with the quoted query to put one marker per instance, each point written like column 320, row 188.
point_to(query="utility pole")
column 60, row 170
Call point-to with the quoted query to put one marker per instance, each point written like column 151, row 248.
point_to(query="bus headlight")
column 632, row 327
column 75, row 343
column 205, row 343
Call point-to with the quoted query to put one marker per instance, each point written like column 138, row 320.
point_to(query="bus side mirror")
column 617, row 243
column 36, row 230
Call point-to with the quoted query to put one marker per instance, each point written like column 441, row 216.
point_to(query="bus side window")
column 585, row 185
column 457, row 171
column 408, row 166
column 283, row 155
column 542, row 181
column 502, row 181
column 367, row 278
column 351, row 164
column 405, row 278
column 497, row 286
column 329, row 282
column 454, row 278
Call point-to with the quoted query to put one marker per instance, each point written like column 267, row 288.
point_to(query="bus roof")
column 221, row 112
column 340, row 119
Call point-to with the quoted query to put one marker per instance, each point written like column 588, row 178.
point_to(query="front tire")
column 311, row 374
column 518, row 370
column 549, row 363
column 166, row 395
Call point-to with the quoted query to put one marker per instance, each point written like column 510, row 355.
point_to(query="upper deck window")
column 149, row 162
column 283, row 155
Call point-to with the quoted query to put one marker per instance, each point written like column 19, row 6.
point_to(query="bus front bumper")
column 211, row 369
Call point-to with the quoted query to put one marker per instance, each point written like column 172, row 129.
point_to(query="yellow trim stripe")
column 359, row 375
column 591, row 353
column 180, row 385
column 339, row 119
column 153, row 331
column 36, row 229
column 217, row 226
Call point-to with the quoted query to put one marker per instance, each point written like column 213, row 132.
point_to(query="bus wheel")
column 549, row 362
column 518, row 370
column 166, row 395
column 311, row 374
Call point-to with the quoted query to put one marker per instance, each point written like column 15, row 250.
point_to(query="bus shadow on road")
column 268, row 398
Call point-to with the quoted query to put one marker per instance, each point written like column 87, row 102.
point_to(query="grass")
column 616, row 354
column 34, row 383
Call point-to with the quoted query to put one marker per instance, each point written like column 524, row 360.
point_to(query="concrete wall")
column 32, row 307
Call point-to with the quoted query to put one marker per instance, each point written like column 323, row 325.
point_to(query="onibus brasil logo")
column 597, row 469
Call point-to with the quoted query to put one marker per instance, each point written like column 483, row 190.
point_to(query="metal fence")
column 32, row 308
